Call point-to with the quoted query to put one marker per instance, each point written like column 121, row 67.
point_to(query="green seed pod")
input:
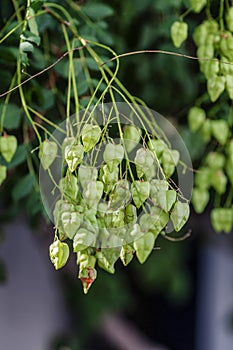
column 115, row 219
column 197, row 5
column 83, row 239
column 170, row 159
column 210, row 68
column 229, row 167
column 215, row 160
column 126, row 254
column 160, row 220
column 179, row 215
column 156, row 186
column 200, row 199
column 59, row 253
column 87, row 173
column 218, row 181
column 68, row 141
column 226, row 45
column 144, row 246
column 90, row 136
column 109, row 178
column 226, row 66
column 229, row 18
column 132, row 136
column 229, row 85
column 179, row 33
column 196, row 118
column 130, row 214
column 215, row 87
column 205, row 51
column 203, row 30
column 157, row 147
column 47, row 153
column 166, row 199
column 93, row 193
column 220, row 130
column 202, row 178
column 74, row 156
column 69, row 187
column 8, row 146
column 120, row 195
column 205, row 131
column 70, row 223
column 140, row 192
column 144, row 161
column 222, row 219
column 87, row 275
column 113, row 155
column 3, row 173
column 107, row 257
column 230, row 151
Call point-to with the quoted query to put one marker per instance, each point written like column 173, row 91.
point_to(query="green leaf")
column 8, row 146
column 33, row 24
column 26, row 46
column 12, row 116
column 179, row 215
column 59, row 253
column 179, row 33
column 90, row 136
column 32, row 38
column 196, row 118
column 200, row 199
column 155, row 187
column 23, row 187
column 215, row 87
column 140, row 192
column 220, row 130
column 47, row 153
column 144, row 246
column 3, row 173
column 97, row 11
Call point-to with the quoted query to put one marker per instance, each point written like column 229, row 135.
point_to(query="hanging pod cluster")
column 116, row 207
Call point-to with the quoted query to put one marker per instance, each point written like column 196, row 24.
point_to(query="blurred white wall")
column 215, row 297
column 31, row 307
